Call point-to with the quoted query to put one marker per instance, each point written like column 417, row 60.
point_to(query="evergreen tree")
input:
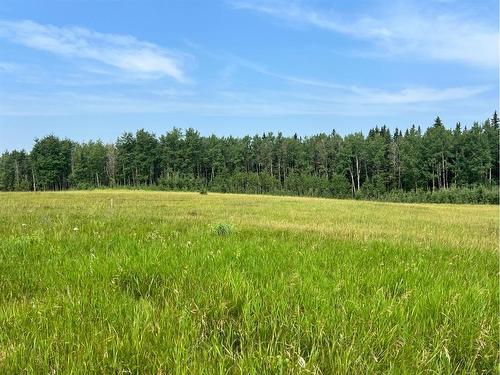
column 376, row 166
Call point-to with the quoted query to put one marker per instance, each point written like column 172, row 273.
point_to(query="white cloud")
column 406, row 30
column 417, row 95
column 325, row 90
column 109, row 56
column 119, row 51
column 9, row 67
column 257, row 103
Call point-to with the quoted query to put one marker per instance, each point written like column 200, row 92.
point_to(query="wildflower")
column 188, row 243
column 75, row 229
column 24, row 225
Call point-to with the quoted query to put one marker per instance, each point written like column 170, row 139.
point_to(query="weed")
column 222, row 229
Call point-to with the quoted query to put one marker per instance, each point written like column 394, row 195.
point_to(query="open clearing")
column 138, row 282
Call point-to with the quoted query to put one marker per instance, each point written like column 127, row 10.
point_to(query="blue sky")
column 94, row 69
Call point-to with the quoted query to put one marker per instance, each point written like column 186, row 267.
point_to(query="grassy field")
column 140, row 282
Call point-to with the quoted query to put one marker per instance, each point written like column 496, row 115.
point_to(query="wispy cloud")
column 417, row 95
column 326, row 90
column 100, row 85
column 405, row 30
column 9, row 67
column 255, row 103
column 122, row 52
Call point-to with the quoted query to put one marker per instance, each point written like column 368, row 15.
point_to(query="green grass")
column 140, row 282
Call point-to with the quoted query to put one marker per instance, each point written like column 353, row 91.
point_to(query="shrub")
column 203, row 192
column 222, row 229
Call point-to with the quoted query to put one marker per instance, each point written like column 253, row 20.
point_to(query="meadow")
column 171, row 283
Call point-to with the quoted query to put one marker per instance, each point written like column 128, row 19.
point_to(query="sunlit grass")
column 139, row 282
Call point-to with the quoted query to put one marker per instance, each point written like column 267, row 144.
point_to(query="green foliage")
column 222, row 229
column 51, row 163
column 15, row 171
column 474, row 195
column 440, row 162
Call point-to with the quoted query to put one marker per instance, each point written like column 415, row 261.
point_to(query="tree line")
column 439, row 164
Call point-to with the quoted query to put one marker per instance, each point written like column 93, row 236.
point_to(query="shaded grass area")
column 144, row 285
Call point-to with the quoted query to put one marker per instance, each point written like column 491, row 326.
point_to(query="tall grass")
column 299, row 286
